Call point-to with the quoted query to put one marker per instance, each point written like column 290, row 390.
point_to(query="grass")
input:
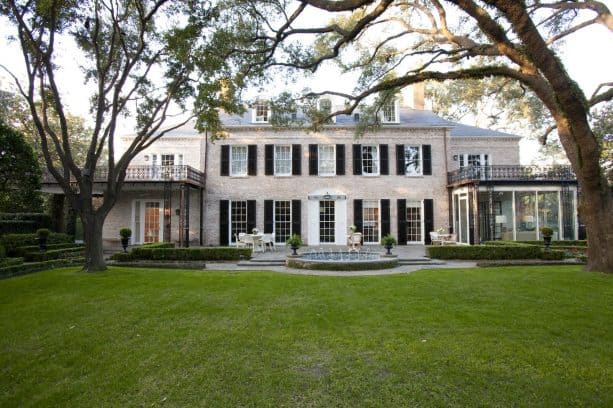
column 516, row 336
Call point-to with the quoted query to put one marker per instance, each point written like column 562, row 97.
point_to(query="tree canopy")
column 19, row 173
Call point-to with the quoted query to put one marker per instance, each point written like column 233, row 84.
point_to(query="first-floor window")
column 414, row 222
column 283, row 221
column 283, row 160
column 327, row 223
column 370, row 221
column 327, row 160
column 238, row 160
column 238, row 219
column 412, row 160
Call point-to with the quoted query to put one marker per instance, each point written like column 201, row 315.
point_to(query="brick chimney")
column 418, row 95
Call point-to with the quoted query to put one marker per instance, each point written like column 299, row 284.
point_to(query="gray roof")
column 411, row 118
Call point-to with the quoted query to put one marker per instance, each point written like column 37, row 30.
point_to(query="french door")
column 327, row 223
column 147, row 221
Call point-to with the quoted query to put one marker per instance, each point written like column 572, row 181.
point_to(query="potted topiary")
column 42, row 235
column 294, row 242
column 547, row 234
column 388, row 241
column 125, row 234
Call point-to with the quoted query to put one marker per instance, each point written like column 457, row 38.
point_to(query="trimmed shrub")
column 21, row 251
column 26, row 268
column 53, row 254
column 10, row 262
column 158, row 245
column 508, row 243
column 191, row 254
column 579, row 242
column 122, row 257
column 483, row 252
column 552, row 255
column 13, row 241
column 17, row 227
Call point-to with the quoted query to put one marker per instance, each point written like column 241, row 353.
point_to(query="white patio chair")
column 434, row 237
column 268, row 241
column 239, row 242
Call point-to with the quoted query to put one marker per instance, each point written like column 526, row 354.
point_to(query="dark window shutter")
column 428, row 219
column 384, row 160
column 357, row 159
column 224, row 222
column 313, row 160
column 385, row 217
column 402, row 221
column 269, row 217
column 426, row 151
column 251, row 216
column 269, row 159
column 252, row 160
column 225, row 160
column 357, row 215
column 296, row 160
column 400, row 160
column 296, row 217
column 340, row 159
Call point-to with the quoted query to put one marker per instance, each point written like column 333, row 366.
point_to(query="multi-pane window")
column 238, row 218
column 327, row 160
column 152, row 221
column 389, row 112
column 412, row 160
column 370, row 159
column 325, row 106
column 262, row 111
column 467, row 160
column 283, row 221
column 283, row 160
column 370, row 221
column 326, row 221
column 168, row 159
column 238, row 160
column 414, row 222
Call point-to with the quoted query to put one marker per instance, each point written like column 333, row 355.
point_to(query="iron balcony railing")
column 511, row 173
column 138, row 173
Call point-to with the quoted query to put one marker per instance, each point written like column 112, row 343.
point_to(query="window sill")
column 240, row 177
column 326, row 175
column 282, row 175
column 414, row 175
column 370, row 175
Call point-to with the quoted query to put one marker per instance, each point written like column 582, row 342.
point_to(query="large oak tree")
column 145, row 59
column 396, row 43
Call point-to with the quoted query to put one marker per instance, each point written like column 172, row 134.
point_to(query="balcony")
column 147, row 174
column 511, row 174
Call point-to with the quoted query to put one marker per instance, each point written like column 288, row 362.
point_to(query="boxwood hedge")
column 13, row 241
column 184, row 254
column 484, row 252
column 53, row 254
column 22, row 269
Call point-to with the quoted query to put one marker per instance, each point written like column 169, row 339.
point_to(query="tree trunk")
column 597, row 212
column 92, row 234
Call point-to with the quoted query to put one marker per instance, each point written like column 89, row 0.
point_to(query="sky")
column 587, row 55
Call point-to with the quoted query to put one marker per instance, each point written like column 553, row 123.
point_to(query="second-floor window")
column 326, row 160
column 283, row 160
column 467, row 160
column 261, row 112
column 238, row 161
column 370, row 159
column 412, row 160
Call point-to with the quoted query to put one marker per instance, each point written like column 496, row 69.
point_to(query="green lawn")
column 523, row 336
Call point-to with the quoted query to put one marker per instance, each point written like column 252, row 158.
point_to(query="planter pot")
column 294, row 249
column 124, row 244
column 389, row 249
column 42, row 244
column 547, row 243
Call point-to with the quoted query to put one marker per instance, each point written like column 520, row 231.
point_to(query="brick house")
column 416, row 174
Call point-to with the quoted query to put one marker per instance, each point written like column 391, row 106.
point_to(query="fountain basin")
column 341, row 261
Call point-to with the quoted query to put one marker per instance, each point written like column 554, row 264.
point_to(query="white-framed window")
column 370, row 221
column 412, row 160
column 326, row 160
column 283, row 221
column 283, row 160
column 414, row 221
column 238, row 160
column 370, row 160
column 389, row 112
column 168, row 159
column 261, row 111
column 325, row 106
column 238, row 219
column 471, row 159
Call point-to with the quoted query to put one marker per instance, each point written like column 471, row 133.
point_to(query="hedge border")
column 53, row 254
column 492, row 252
column 183, row 254
column 13, row 241
column 26, row 268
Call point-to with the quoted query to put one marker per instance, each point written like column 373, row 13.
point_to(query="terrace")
column 146, row 174
column 511, row 174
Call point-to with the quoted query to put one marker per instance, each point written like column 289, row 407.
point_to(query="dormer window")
column 325, row 107
column 261, row 112
column 389, row 112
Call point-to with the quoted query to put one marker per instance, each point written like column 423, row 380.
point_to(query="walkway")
column 411, row 258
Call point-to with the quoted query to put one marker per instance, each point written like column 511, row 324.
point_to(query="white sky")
column 588, row 56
